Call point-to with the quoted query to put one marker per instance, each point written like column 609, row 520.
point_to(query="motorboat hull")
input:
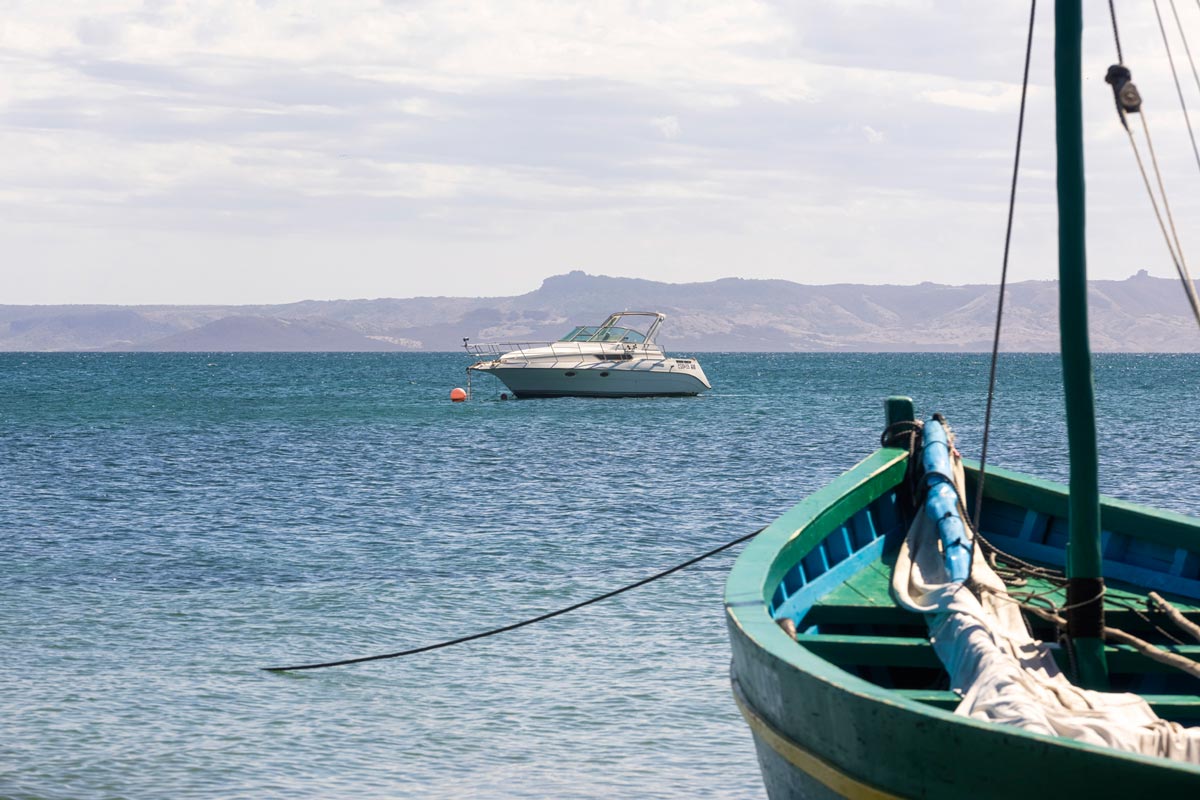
column 634, row 378
column 608, row 360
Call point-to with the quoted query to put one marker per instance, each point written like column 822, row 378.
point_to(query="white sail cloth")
column 1005, row 675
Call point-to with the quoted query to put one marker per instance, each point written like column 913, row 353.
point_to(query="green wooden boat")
column 845, row 708
column 841, row 686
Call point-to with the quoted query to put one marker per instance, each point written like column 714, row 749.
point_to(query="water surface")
column 173, row 522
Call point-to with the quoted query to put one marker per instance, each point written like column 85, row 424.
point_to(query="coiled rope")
column 523, row 623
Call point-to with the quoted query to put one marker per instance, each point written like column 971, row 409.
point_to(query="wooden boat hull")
column 821, row 731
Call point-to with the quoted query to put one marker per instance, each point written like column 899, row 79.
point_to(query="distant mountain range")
column 1139, row 314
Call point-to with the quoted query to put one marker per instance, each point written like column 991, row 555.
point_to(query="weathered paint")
column 806, row 761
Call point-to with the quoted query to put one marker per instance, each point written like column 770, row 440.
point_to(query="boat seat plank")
column 1115, row 591
column 860, row 614
column 869, row 587
column 1174, row 706
column 1115, row 615
column 940, row 698
column 1165, row 705
column 912, row 651
column 862, row 589
column 865, row 598
column 871, row 651
column 1123, row 658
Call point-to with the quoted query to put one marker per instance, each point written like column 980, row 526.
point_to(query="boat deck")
column 858, row 627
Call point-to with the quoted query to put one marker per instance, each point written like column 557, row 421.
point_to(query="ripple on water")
column 174, row 522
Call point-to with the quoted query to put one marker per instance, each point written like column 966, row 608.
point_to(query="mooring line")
column 522, row 623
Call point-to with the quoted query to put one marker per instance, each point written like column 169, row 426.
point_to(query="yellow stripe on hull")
column 807, row 762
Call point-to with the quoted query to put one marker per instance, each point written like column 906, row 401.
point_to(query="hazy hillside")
column 1139, row 314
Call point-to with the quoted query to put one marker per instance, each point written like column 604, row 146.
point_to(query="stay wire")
column 1172, row 242
column 1175, row 76
column 1162, row 226
column 540, row 618
column 1012, row 202
column 1189, row 286
column 1187, row 49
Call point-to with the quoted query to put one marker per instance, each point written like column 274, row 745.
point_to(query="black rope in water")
column 1012, row 202
column 523, row 623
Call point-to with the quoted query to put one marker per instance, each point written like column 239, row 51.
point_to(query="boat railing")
column 500, row 348
column 496, row 349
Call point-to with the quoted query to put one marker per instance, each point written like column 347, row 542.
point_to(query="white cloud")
column 667, row 126
column 991, row 98
column 735, row 135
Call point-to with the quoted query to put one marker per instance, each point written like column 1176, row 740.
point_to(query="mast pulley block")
column 1125, row 93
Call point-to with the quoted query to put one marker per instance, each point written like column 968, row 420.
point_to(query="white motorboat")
column 606, row 360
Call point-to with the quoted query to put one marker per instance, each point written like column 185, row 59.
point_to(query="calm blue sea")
column 171, row 523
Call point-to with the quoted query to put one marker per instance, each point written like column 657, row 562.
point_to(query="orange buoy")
column 457, row 395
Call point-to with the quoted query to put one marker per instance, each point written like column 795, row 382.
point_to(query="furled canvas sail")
column 1003, row 674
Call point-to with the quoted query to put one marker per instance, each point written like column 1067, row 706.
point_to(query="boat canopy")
column 609, row 331
column 595, row 333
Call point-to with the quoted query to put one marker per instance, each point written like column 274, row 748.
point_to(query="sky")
column 262, row 152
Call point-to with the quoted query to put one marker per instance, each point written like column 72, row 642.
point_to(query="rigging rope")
column 1172, row 239
column 1112, row 12
column 1181, row 663
column 1015, row 572
column 1187, row 49
column 512, row 627
column 1189, row 287
column 1175, row 615
column 1129, row 101
column 1012, row 201
column 1175, row 75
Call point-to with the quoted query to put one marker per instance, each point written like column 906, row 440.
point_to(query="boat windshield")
column 600, row 333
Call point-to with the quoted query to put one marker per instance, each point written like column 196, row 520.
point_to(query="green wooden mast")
column 1085, row 586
